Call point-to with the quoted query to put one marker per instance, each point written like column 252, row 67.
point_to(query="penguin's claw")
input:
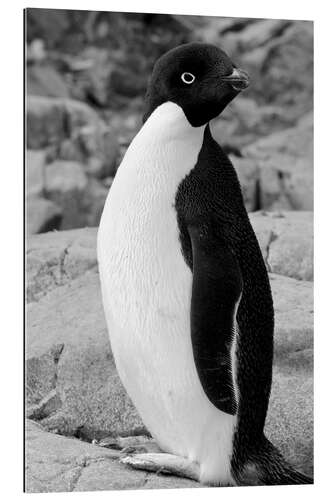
column 163, row 463
column 149, row 447
column 130, row 444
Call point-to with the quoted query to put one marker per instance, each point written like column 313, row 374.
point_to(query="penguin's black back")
column 211, row 194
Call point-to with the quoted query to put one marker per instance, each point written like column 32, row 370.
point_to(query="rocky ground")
column 74, row 395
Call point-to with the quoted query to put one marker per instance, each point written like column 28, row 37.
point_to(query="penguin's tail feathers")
column 271, row 469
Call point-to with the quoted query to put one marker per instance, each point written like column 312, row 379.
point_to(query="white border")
column 11, row 232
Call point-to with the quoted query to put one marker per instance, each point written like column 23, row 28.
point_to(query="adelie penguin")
column 185, row 289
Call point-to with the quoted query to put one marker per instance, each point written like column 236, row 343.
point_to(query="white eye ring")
column 188, row 78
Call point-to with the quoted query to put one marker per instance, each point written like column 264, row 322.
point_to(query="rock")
column 42, row 375
column 74, row 130
column 87, row 382
column 56, row 463
column 91, row 75
column 211, row 29
column 244, row 121
column 281, row 69
column 35, row 165
column 81, row 198
column 45, row 122
column 56, row 258
column 255, row 34
column 42, row 215
column 44, row 80
column 286, row 242
column 293, row 306
column 287, row 71
column 47, row 24
column 92, row 139
column 95, row 200
column 127, row 83
column 45, row 407
column 65, row 185
column 35, row 52
column 285, row 161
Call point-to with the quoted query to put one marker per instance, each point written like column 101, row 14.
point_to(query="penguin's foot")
column 163, row 463
column 131, row 444
column 148, row 446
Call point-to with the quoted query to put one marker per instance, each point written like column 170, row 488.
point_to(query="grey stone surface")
column 55, row 258
column 44, row 80
column 92, row 396
column 285, row 160
column 244, row 120
column 56, row 463
column 74, row 130
column 42, row 215
column 286, row 241
column 66, row 184
column 35, row 170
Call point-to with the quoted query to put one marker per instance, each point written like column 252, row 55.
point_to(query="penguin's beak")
column 239, row 79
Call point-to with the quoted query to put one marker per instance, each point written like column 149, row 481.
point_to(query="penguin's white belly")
column 146, row 287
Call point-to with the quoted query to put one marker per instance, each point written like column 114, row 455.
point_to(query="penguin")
column 185, row 290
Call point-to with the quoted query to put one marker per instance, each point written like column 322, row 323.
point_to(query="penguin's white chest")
column 146, row 287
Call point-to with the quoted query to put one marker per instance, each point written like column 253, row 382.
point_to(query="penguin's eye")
column 188, row 78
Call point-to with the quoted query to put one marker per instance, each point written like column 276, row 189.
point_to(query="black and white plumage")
column 185, row 290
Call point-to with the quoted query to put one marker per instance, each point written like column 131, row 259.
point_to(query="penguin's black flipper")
column 216, row 290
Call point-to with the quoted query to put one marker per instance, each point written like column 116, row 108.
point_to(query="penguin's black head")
column 199, row 77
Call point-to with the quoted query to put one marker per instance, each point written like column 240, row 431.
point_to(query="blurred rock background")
column 86, row 77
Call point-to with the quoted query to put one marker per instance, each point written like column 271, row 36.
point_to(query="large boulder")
column 74, row 131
